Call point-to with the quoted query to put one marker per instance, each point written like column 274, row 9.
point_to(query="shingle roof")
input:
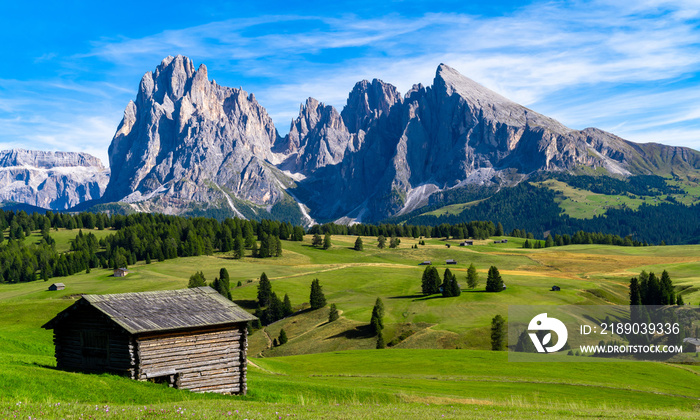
column 163, row 310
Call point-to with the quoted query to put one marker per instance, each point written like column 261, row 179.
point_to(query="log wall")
column 92, row 343
column 205, row 360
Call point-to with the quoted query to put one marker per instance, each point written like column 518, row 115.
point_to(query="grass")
column 331, row 370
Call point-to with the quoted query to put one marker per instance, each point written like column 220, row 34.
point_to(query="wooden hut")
column 466, row 243
column 120, row 272
column 192, row 339
column 426, row 263
column 451, row 261
column 57, row 286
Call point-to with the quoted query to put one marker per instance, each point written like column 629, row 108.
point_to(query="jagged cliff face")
column 186, row 139
column 51, row 180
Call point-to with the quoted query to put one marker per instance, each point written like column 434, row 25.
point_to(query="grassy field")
column 442, row 369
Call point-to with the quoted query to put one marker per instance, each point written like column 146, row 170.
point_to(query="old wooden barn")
column 192, row 339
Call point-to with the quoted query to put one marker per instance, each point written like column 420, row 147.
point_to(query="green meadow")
column 440, row 367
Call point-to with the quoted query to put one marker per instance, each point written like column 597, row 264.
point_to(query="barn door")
column 95, row 346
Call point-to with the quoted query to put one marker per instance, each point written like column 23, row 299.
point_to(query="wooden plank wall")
column 201, row 360
column 75, row 350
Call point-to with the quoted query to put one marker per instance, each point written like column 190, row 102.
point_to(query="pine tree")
column 472, row 277
column 287, row 306
column 499, row 229
column 238, row 247
column 275, row 309
column 254, row 249
column 679, row 300
column 447, row 284
column 316, row 241
column 264, row 291
column 430, row 283
column 197, row 280
column 333, row 313
column 278, row 247
column 549, row 242
column 148, row 258
column 497, row 333
column 455, row 290
column 239, row 284
column 377, row 320
column 380, row 341
column 494, row 282
column 327, row 241
column 317, row 299
column 394, row 242
column 668, row 294
column 525, row 344
column 282, row 337
column 527, row 244
column 381, row 242
column 358, row 244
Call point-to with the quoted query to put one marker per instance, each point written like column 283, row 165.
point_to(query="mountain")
column 188, row 145
column 50, row 180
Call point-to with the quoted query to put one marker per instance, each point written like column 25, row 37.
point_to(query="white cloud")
column 589, row 64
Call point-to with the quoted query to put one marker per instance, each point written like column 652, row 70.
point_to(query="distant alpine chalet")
column 187, row 143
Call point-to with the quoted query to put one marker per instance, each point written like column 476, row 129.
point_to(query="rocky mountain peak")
column 51, row 180
column 367, row 102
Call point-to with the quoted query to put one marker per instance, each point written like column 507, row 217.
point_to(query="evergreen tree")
column 333, row 313
column 358, row 244
column 635, row 292
column 317, row 299
column 381, row 242
column 472, row 277
column 394, row 242
column 668, row 294
column 264, row 291
column 254, row 249
column 377, row 321
column 549, row 242
column 455, row 290
column 316, row 241
column 238, row 247
column 275, row 310
column 380, row 341
column 430, row 283
column 287, row 306
column 497, row 333
column 525, row 344
column 148, row 258
column 653, row 290
column 278, row 247
column 197, row 280
column 679, row 300
column 239, row 284
column 494, row 282
column 527, row 244
column 447, row 284
column 327, row 241
column 282, row 337
column 499, row 229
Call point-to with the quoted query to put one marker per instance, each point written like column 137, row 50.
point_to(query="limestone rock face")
column 187, row 139
column 317, row 137
column 51, row 180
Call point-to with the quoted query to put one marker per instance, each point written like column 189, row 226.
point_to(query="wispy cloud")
column 604, row 63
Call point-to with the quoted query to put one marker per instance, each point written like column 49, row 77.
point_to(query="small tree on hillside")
column 381, row 242
column 238, row 247
column 497, row 333
column 197, row 280
column 472, row 277
column 525, row 344
column 380, row 341
column 282, row 337
column 494, row 282
column 430, row 283
column 358, row 244
column 499, row 229
column 394, row 242
column 316, row 241
column 287, row 306
column 327, row 241
column 333, row 313
column 377, row 320
column 448, row 280
column 264, row 291
column 317, row 299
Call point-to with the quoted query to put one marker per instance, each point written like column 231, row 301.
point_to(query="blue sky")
column 71, row 67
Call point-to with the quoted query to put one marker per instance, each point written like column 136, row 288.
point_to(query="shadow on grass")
column 419, row 295
column 364, row 331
